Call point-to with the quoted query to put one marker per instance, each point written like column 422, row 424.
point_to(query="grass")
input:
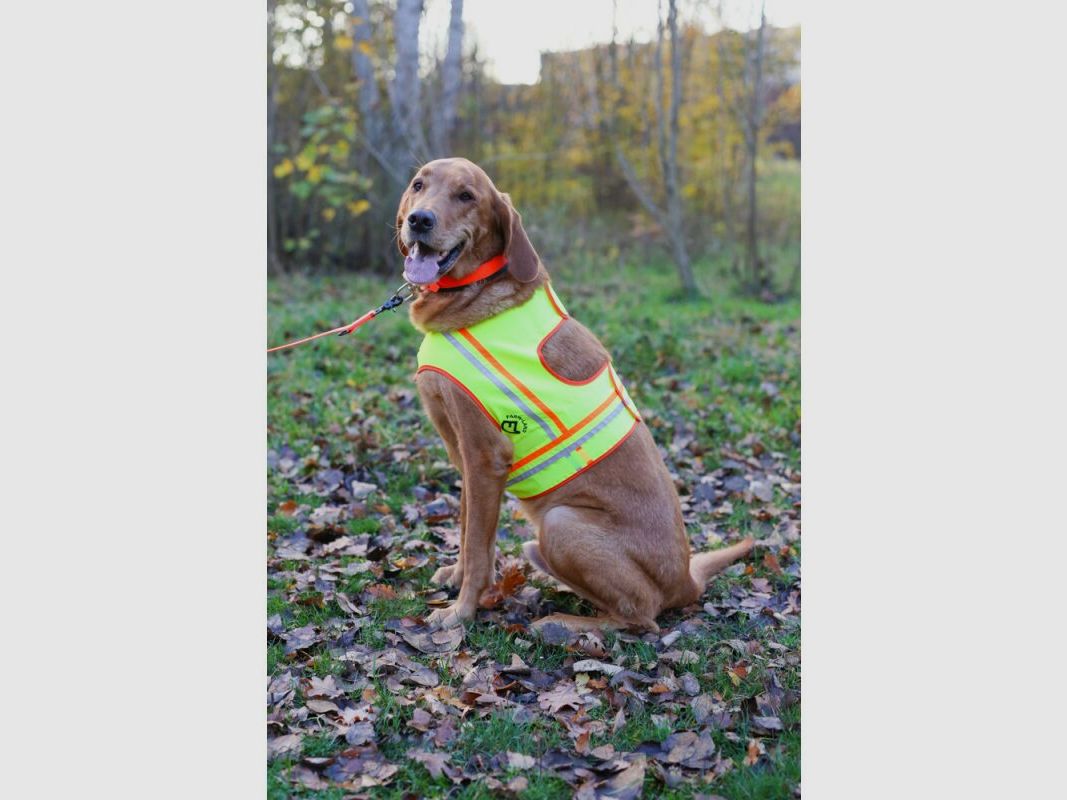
column 722, row 369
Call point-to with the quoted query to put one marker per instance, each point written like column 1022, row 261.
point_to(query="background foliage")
column 347, row 127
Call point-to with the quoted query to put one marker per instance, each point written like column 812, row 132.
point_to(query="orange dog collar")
column 486, row 270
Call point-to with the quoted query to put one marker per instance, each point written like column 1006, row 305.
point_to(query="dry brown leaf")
column 560, row 696
column 511, row 579
column 322, row 706
column 627, row 784
column 754, row 751
column 770, row 561
column 280, row 745
column 520, row 761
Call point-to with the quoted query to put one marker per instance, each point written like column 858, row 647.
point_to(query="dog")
column 609, row 525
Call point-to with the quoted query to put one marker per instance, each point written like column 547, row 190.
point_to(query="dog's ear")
column 522, row 258
column 401, row 214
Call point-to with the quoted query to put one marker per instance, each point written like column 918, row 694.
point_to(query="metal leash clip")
column 399, row 298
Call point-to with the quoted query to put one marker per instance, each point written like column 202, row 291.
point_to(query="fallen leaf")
column 627, row 784
column 564, row 694
column 322, row 706
column 517, row 666
column 765, row 725
column 770, row 561
column 591, row 665
column 511, row 579
column 300, row 638
column 762, row 491
column 420, row 720
column 518, row 784
column 753, row 752
column 307, row 777
column 520, row 761
column 702, row 708
column 323, row 687
column 670, row 638
column 281, row 745
column 435, row 762
column 382, row 591
column 360, row 733
column 605, row 752
column 361, row 490
column 426, row 640
column 554, row 633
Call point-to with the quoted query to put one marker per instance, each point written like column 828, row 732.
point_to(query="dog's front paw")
column 450, row 576
column 450, row 616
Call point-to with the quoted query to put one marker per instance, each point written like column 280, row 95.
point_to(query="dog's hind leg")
column 576, row 547
column 532, row 552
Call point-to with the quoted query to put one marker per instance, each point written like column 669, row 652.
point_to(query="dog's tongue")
column 420, row 267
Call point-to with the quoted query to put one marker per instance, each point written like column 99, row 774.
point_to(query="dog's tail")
column 702, row 566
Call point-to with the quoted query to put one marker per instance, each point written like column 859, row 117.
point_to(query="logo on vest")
column 513, row 424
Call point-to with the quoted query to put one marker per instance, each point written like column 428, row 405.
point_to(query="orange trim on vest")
column 556, row 375
column 466, row 334
column 552, row 299
column 483, row 271
column 592, row 463
column 455, row 380
column 566, row 434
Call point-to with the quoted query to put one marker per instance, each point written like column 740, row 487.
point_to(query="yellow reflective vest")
column 559, row 427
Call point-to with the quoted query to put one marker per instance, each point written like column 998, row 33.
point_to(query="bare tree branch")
column 642, row 195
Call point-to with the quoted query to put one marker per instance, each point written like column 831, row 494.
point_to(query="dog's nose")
column 422, row 221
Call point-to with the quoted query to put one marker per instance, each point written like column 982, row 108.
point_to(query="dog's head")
column 451, row 219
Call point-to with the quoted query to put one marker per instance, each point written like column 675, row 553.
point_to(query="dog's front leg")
column 451, row 575
column 484, row 475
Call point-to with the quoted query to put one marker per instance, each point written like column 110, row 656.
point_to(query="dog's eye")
column 466, row 197
column 416, row 186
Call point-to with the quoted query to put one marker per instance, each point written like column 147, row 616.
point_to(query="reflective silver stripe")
column 566, row 451
column 467, row 354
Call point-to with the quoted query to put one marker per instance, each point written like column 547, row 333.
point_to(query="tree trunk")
column 451, row 81
column 675, row 220
column 756, row 271
column 726, row 172
column 671, row 219
column 410, row 147
column 274, row 258
column 363, row 68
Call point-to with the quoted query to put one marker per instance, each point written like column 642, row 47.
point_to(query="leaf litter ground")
column 364, row 700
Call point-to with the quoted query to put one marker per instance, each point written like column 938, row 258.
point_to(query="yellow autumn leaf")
column 340, row 149
column 283, row 169
column 365, row 48
column 342, row 42
column 315, row 174
column 329, row 213
column 304, row 162
column 357, row 207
